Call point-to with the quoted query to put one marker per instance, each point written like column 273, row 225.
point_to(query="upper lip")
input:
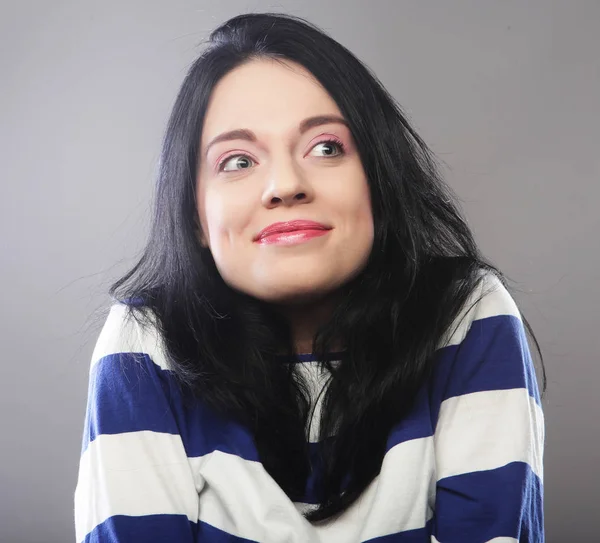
column 291, row 226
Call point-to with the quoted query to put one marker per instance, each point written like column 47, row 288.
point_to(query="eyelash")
column 333, row 141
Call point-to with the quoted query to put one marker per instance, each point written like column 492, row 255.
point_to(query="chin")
column 293, row 294
column 286, row 286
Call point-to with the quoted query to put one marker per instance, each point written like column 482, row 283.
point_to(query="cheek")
column 223, row 215
column 364, row 203
column 361, row 214
column 356, row 201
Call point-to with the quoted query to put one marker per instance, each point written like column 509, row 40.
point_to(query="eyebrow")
column 248, row 135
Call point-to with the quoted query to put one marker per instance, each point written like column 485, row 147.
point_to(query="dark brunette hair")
column 223, row 344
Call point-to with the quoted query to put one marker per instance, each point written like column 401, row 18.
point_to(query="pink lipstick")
column 291, row 232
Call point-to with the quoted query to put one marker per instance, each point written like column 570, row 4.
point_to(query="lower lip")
column 291, row 238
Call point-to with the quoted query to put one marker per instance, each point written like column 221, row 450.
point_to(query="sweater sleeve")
column 489, row 434
column 135, row 481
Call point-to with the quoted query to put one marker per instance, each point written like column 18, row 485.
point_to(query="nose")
column 286, row 186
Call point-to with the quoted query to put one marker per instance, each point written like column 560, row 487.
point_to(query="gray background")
column 507, row 93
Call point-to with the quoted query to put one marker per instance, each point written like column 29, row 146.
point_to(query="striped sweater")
column 464, row 466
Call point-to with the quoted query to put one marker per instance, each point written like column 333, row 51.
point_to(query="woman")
column 311, row 348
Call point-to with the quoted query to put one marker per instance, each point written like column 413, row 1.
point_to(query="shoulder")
column 486, row 348
column 129, row 329
column 490, row 302
column 129, row 386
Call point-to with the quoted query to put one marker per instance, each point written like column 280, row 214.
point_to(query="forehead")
column 265, row 95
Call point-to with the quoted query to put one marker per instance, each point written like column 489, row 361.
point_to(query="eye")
column 328, row 147
column 242, row 161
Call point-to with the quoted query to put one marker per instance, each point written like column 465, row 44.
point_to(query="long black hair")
column 223, row 345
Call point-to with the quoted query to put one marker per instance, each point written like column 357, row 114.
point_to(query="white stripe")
column 135, row 474
column 488, row 430
column 240, row 498
column 124, row 335
column 401, row 498
column 495, row 301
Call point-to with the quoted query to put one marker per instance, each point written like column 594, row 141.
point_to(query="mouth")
column 291, row 232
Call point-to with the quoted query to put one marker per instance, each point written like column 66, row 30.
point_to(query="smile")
column 291, row 232
column 291, row 238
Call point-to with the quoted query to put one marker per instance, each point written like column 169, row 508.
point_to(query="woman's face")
column 281, row 164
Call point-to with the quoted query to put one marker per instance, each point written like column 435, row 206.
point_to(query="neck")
column 305, row 320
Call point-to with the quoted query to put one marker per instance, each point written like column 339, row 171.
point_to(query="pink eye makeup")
column 244, row 160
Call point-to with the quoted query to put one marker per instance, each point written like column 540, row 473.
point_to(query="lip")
column 290, row 226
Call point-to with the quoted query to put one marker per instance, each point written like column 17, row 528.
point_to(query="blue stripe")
column 129, row 393
column 149, row 529
column 420, row 535
column 135, row 301
column 315, row 475
column 126, row 395
column 158, row 529
column 416, row 424
column 494, row 355
column 479, row 506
